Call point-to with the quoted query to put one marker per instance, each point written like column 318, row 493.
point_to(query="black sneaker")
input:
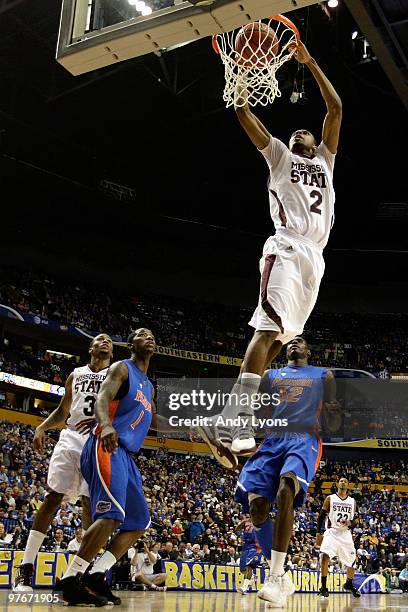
column 323, row 592
column 74, row 592
column 349, row 586
column 23, row 580
column 98, row 584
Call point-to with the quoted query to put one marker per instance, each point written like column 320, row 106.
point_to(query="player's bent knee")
column 259, row 509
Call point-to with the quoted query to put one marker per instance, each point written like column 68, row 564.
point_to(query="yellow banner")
column 382, row 443
column 194, row 355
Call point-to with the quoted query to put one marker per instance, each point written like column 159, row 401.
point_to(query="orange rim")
column 215, row 44
column 287, row 22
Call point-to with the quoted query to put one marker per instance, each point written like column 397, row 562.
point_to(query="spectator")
column 58, row 543
column 5, row 539
column 393, row 582
column 142, row 564
column 74, row 545
column 196, row 528
column 3, row 474
column 403, row 579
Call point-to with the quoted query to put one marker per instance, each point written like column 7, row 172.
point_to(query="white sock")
column 104, row 563
column 277, row 563
column 35, row 539
column 250, row 376
column 247, row 582
column 77, row 566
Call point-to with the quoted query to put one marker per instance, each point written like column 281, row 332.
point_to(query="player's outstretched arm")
column 320, row 521
column 332, row 121
column 56, row 418
column 117, row 375
column 256, row 131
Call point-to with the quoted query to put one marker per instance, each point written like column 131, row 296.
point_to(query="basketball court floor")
column 176, row 601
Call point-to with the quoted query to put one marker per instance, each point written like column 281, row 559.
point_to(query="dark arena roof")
column 140, row 165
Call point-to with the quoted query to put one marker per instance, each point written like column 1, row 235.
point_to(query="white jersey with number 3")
column 341, row 511
column 301, row 192
column 85, row 387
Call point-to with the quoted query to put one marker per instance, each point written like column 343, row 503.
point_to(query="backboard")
column 98, row 33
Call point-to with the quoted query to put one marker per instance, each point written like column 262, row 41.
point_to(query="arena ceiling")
column 157, row 126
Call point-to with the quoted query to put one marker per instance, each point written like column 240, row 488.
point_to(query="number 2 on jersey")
column 317, row 203
column 89, row 404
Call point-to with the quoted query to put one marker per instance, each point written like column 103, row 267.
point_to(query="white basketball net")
column 258, row 80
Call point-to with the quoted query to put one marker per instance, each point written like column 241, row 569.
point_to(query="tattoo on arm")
column 116, row 376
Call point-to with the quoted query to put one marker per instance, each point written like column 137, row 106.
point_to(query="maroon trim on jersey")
column 268, row 308
column 282, row 214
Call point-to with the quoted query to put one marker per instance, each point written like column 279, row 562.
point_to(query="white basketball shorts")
column 64, row 473
column 292, row 267
column 339, row 543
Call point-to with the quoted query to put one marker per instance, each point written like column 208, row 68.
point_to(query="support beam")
column 391, row 34
column 363, row 19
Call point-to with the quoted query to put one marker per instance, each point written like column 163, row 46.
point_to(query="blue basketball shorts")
column 278, row 455
column 115, row 486
column 249, row 558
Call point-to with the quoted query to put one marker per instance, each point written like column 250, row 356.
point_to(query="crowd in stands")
column 193, row 513
column 38, row 364
column 367, row 341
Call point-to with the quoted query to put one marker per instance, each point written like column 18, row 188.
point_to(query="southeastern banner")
column 379, row 443
column 206, row 577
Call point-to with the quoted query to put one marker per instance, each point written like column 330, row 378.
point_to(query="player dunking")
column 123, row 411
column 251, row 554
column 337, row 541
column 64, row 474
column 301, row 199
column 283, row 466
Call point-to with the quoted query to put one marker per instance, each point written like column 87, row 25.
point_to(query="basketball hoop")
column 251, row 58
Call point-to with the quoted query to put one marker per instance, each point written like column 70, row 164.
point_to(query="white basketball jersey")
column 85, row 387
column 301, row 194
column 341, row 511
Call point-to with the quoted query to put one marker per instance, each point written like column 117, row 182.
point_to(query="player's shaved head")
column 141, row 341
column 101, row 345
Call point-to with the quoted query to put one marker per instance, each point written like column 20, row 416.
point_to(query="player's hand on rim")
column 301, row 53
column 109, row 439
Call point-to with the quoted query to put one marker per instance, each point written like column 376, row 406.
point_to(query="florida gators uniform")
column 115, row 484
column 298, row 452
column 251, row 553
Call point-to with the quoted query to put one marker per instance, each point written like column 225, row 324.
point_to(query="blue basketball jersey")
column 131, row 415
column 249, row 539
column 300, row 392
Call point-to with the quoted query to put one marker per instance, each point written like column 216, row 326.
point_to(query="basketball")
column 256, row 43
